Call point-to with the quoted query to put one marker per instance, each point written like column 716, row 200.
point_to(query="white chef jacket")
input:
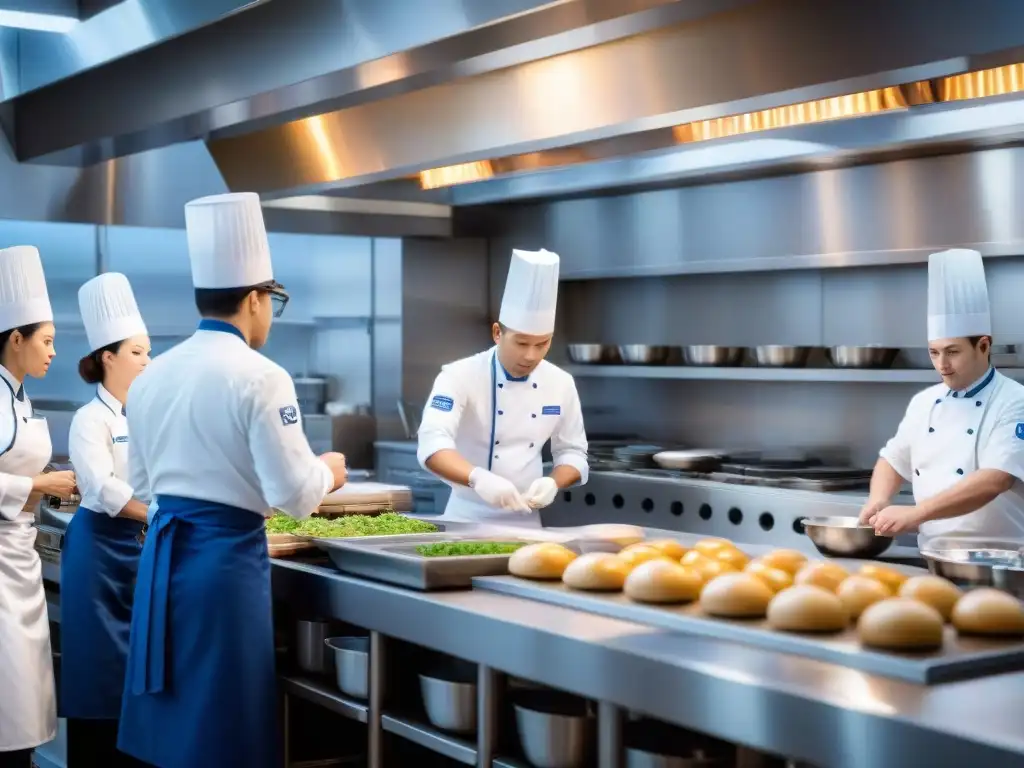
column 946, row 435
column 501, row 423
column 15, row 409
column 214, row 420
column 98, row 445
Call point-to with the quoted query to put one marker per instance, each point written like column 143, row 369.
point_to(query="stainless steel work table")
column 822, row 713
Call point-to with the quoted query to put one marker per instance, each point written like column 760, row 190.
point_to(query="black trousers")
column 21, row 758
column 93, row 743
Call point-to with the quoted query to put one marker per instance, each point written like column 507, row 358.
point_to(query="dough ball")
column 806, row 608
column 708, row 567
column 990, row 612
column 736, row 595
column 545, row 560
column 822, row 574
column 941, row 594
column 890, row 577
column 635, row 554
column 670, row 547
column 663, row 581
column 858, row 592
column 732, row 557
column 597, row 572
column 788, row 560
column 776, row 578
column 900, row 624
column 711, row 546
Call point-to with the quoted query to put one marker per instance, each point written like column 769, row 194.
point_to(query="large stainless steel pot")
column 712, row 355
column 311, row 654
column 862, row 357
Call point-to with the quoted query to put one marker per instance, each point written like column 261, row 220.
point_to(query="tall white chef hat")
column 957, row 295
column 227, row 241
column 24, row 299
column 109, row 310
column 531, row 293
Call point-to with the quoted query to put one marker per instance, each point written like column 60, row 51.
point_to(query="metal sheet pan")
column 959, row 659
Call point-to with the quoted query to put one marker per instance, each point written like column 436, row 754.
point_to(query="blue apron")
column 201, row 689
column 99, row 561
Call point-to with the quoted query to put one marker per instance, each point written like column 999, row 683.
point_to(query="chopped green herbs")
column 465, row 548
column 386, row 524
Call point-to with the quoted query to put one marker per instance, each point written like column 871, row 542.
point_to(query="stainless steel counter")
column 826, row 714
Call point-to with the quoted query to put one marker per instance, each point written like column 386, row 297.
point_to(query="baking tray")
column 393, row 559
column 961, row 658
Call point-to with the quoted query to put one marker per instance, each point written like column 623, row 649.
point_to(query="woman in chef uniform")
column 961, row 442
column 216, row 437
column 28, row 716
column 104, row 540
column 489, row 415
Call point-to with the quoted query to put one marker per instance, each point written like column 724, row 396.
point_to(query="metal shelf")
column 838, row 375
column 325, row 696
column 430, row 738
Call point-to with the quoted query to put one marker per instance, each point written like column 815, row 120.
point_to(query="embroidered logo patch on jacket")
column 289, row 415
column 551, row 410
column 442, row 402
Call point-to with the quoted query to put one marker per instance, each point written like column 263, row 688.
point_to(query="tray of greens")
column 468, row 548
column 350, row 526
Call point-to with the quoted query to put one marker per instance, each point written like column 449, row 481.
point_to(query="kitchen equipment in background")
column 311, row 654
column 311, row 392
column 637, row 456
column 353, row 434
column 653, row 744
column 695, row 460
column 1003, row 356
column 594, row 354
column 845, row 537
column 780, row 470
column 408, row 413
column 862, row 357
column 712, row 355
column 778, row 356
column 319, row 429
column 449, row 696
column 351, row 664
column 972, row 561
column 555, row 729
column 645, row 354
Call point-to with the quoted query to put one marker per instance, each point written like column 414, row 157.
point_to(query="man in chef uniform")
column 217, row 441
column 489, row 415
column 961, row 442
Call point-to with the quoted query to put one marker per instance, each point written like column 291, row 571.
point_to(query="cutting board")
column 366, row 498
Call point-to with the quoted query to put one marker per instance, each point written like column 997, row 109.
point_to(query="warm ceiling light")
column 986, row 82
column 456, row 174
column 836, row 108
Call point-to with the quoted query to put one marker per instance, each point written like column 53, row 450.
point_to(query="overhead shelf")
column 839, row 375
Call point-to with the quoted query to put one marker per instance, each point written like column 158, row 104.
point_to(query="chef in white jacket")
column 961, row 442
column 103, row 542
column 217, row 441
column 28, row 715
column 488, row 416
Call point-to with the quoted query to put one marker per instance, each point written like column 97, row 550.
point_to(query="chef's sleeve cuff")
column 429, row 444
column 14, row 493
column 897, row 462
column 114, row 495
column 577, row 461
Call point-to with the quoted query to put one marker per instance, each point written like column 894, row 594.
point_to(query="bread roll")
column 890, row 577
column 663, row 581
column 545, row 560
column 990, row 612
column 821, row 574
column 806, row 608
column 776, row 578
column 708, row 567
column 635, row 554
column 858, row 592
column 731, row 557
column 785, row 560
column 900, row 624
column 736, row 595
column 710, row 546
column 670, row 547
column 597, row 572
column 941, row 594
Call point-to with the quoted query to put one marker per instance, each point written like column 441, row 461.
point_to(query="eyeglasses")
column 279, row 298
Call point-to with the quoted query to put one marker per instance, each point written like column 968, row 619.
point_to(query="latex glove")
column 541, row 492
column 497, row 491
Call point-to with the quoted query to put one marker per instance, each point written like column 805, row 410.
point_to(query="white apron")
column 28, row 714
column 946, row 450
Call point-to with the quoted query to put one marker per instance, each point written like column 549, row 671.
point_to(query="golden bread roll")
column 776, row 578
column 890, row 577
column 670, row 547
column 821, row 574
column 545, row 560
column 858, row 592
column 785, row 560
column 635, row 554
column 806, row 608
column 990, row 612
column 941, row 594
column 731, row 557
column 736, row 595
column 597, row 572
column 900, row 624
column 663, row 581
column 710, row 546
column 708, row 567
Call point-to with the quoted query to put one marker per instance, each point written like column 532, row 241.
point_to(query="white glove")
column 541, row 492
column 497, row 491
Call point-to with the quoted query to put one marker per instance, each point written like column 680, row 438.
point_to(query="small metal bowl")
column 644, row 354
column 973, row 567
column 555, row 729
column 845, row 537
column 712, row 355
column 776, row 356
column 1009, row 579
column 351, row 664
column 862, row 357
column 449, row 697
column 594, row 354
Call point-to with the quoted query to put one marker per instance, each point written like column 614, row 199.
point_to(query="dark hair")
column 221, row 302
column 28, row 331
column 976, row 340
column 90, row 367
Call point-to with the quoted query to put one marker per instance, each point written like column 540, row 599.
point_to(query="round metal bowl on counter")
column 973, row 562
column 862, row 357
column 594, row 354
column 845, row 537
column 645, row 354
column 779, row 356
column 712, row 355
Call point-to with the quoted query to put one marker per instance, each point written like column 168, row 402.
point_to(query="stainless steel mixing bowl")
column 845, row 537
column 778, row 356
column 862, row 357
column 594, row 354
column 644, row 354
column 712, row 355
